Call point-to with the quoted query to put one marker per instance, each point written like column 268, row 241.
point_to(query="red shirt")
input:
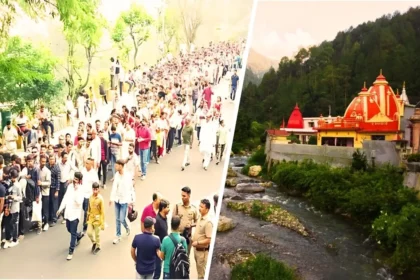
column 143, row 132
column 148, row 211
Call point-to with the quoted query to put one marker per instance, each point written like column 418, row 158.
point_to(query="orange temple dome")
column 295, row 119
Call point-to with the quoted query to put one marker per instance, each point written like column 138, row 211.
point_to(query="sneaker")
column 53, row 224
column 205, row 168
column 187, row 164
column 116, row 240
column 217, row 162
column 182, row 168
column 38, row 231
column 128, row 231
column 63, row 222
column 69, row 257
column 46, row 227
column 143, row 177
column 6, row 244
column 157, row 162
column 97, row 250
column 93, row 247
column 13, row 244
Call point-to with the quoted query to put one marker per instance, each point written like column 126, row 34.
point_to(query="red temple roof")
column 295, row 119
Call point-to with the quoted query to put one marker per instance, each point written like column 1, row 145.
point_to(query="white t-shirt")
column 21, row 120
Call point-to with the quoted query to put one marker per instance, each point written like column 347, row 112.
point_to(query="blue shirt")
column 146, row 245
column 235, row 79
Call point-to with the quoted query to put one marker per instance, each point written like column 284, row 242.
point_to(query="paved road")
column 44, row 256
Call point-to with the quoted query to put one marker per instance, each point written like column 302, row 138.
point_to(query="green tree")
column 168, row 27
column 27, row 75
column 191, row 19
column 134, row 24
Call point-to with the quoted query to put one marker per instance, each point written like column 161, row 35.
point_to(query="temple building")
column 377, row 113
column 301, row 128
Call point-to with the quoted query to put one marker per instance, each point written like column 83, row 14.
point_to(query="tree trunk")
column 89, row 57
column 136, row 49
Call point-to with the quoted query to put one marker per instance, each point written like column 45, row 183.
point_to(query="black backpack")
column 29, row 193
column 180, row 263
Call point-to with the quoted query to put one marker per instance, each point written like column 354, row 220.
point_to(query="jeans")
column 46, row 124
column 198, row 132
column 120, row 215
column 148, row 156
column 53, row 206
column 102, row 171
column 148, row 276
column 194, row 104
column 143, row 161
column 113, row 161
column 233, row 93
column 158, row 268
column 121, row 87
column 166, row 276
column 171, row 138
column 45, row 209
column 85, row 208
column 153, row 149
column 72, row 229
column 179, row 136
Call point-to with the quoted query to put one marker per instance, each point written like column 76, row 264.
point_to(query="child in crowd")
column 96, row 218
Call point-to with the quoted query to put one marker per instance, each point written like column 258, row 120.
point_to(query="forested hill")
column 332, row 73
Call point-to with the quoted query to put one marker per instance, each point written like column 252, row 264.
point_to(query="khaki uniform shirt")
column 188, row 215
column 203, row 230
column 96, row 212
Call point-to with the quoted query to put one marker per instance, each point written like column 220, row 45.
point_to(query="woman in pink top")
column 207, row 93
column 218, row 104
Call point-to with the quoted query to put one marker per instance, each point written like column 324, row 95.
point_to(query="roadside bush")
column 257, row 158
column 263, row 267
column 413, row 158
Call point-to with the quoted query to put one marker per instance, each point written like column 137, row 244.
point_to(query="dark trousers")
column 53, row 206
column 171, row 138
column 11, row 226
column 85, row 208
column 72, row 229
column 46, row 124
column 198, row 132
column 61, row 193
column 102, row 171
column 158, row 268
column 179, row 136
column 233, row 93
column 219, row 153
column 194, row 104
column 121, row 87
column 153, row 149
column 22, row 218
column 45, row 209
column 104, row 98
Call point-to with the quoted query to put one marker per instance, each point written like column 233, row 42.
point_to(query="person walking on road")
column 96, row 218
column 144, row 249
column 234, row 83
column 73, row 202
column 187, row 140
column 121, row 195
column 202, row 238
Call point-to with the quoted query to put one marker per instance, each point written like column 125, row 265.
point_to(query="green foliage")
column 168, row 27
column 413, row 158
column 332, row 73
column 375, row 199
column 359, row 161
column 132, row 25
column 252, row 137
column 312, row 140
column 27, row 75
column 257, row 158
column 263, row 267
column 293, row 138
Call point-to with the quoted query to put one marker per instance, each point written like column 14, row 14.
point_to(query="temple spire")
column 380, row 71
column 404, row 96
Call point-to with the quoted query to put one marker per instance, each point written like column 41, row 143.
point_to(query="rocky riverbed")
column 330, row 249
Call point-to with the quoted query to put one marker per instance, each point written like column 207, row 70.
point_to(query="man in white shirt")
column 95, row 146
column 66, row 172
column 207, row 141
column 72, row 203
column 90, row 176
column 10, row 137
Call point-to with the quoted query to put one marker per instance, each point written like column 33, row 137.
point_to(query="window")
column 311, row 124
column 378, row 137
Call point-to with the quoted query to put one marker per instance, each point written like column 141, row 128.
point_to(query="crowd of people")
column 172, row 104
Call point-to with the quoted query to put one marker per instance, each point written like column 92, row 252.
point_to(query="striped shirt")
column 55, row 176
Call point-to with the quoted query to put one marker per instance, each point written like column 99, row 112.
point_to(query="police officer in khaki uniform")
column 188, row 214
column 202, row 238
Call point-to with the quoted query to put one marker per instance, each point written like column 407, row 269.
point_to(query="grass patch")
column 263, row 267
column 270, row 213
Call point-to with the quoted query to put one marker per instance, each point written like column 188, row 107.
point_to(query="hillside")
column 258, row 63
column 332, row 73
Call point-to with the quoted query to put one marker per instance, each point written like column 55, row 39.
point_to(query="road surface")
column 44, row 255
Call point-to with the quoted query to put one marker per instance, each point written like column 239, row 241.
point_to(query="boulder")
column 266, row 184
column 231, row 173
column 231, row 182
column 254, row 170
column 237, row 197
column 249, row 188
column 225, row 224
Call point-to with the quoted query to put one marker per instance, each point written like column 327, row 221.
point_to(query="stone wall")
column 336, row 156
column 412, row 176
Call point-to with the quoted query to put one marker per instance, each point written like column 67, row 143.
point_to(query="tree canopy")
column 27, row 75
column 332, row 73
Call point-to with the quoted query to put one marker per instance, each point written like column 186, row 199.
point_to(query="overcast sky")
column 281, row 28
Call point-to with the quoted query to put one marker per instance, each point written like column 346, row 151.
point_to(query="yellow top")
column 96, row 212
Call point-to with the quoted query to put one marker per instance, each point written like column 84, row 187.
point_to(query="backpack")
column 180, row 263
column 29, row 193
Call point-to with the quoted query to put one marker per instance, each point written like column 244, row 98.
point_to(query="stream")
column 334, row 251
